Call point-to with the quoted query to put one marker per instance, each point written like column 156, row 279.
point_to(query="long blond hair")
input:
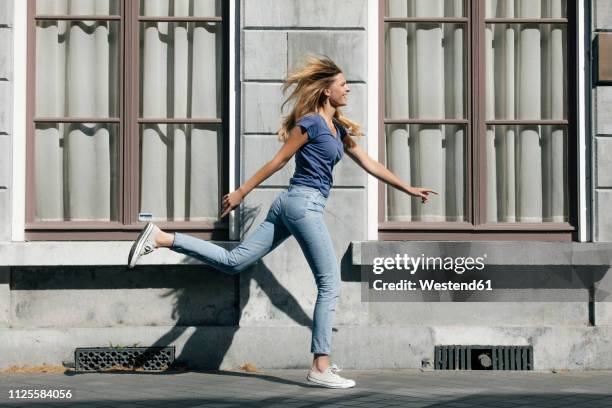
column 310, row 80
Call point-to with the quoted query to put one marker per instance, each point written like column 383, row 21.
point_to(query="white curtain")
column 515, row 8
column 180, row 78
column 415, row 8
column 77, row 76
column 75, row 167
column 525, row 80
column 196, row 8
column 424, row 80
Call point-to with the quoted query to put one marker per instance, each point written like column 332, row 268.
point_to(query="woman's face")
column 338, row 91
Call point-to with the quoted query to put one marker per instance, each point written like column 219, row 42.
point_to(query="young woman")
column 317, row 134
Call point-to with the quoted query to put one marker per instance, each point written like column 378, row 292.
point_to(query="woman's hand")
column 231, row 201
column 421, row 192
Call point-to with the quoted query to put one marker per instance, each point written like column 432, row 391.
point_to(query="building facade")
column 114, row 109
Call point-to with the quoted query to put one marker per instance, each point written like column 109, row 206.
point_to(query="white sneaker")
column 144, row 244
column 330, row 378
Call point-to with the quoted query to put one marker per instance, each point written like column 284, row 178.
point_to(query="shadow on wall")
column 206, row 348
column 204, row 299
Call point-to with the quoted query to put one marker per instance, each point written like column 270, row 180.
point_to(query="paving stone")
column 603, row 219
column 5, row 224
column 299, row 13
column 265, row 55
column 5, row 107
column 347, row 49
column 6, row 48
column 602, row 14
column 603, row 106
column 6, row 12
column 262, row 103
column 603, row 162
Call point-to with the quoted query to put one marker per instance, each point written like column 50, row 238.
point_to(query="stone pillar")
column 6, row 113
column 602, row 158
column 280, row 289
column 602, row 138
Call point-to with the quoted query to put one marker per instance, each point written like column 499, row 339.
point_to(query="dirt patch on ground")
column 34, row 369
column 49, row 369
column 250, row 368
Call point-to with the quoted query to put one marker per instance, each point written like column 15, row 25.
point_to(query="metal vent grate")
column 104, row 358
column 483, row 358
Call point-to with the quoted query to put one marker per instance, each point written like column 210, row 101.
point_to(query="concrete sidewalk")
column 288, row 388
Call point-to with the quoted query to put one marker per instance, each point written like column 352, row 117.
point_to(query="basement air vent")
column 107, row 358
column 483, row 358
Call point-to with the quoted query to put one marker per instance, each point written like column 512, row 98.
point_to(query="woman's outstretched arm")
column 379, row 171
column 296, row 139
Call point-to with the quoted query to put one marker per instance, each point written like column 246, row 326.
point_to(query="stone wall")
column 217, row 320
column 602, row 137
column 6, row 113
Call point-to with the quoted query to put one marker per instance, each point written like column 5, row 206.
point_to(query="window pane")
column 180, row 70
column 526, row 71
column 77, row 7
column 76, row 172
column 526, row 8
column 430, row 156
column 424, row 75
column 425, row 8
column 77, row 69
column 194, row 8
column 180, row 171
column 527, row 174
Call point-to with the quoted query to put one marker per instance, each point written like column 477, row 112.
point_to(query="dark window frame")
column 128, row 226
column 476, row 228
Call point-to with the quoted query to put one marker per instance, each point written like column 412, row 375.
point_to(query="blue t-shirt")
column 315, row 160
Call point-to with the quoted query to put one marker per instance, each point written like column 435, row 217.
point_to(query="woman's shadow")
column 208, row 306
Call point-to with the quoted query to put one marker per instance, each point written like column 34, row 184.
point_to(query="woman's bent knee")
column 235, row 269
column 235, row 265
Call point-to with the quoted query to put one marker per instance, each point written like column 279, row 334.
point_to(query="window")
column 479, row 105
column 127, row 106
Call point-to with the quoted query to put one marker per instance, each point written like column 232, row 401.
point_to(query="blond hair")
column 310, row 81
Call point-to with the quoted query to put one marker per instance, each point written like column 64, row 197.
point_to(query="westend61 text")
column 433, row 285
column 411, row 264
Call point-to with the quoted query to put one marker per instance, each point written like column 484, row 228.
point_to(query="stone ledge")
column 58, row 253
column 498, row 252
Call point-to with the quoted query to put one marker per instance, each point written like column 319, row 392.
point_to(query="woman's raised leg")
column 267, row 236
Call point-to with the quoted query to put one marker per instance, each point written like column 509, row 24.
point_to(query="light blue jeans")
column 297, row 211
